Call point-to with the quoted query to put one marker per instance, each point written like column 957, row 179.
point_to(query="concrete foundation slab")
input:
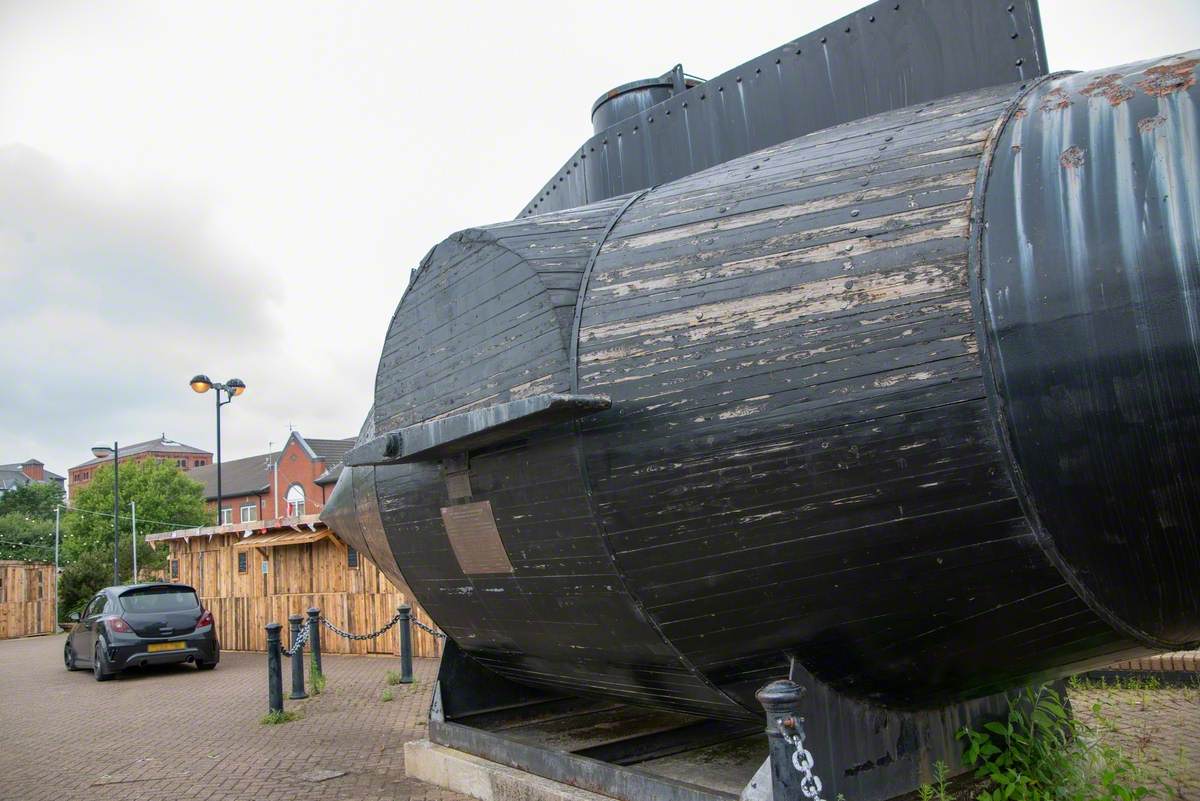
column 479, row 778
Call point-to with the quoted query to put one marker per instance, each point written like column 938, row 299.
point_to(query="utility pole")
column 133, row 514
column 57, row 509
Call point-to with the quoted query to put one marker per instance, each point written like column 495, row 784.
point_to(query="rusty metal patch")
column 1071, row 158
column 1110, row 88
column 471, row 529
column 1056, row 99
column 1165, row 79
column 1148, row 124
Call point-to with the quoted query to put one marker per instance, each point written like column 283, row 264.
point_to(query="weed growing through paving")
column 936, row 791
column 1042, row 753
column 393, row 677
column 317, row 679
column 282, row 716
column 387, row 696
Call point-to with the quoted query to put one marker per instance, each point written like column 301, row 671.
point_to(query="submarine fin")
column 434, row 439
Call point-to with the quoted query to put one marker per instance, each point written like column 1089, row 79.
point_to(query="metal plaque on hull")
column 475, row 539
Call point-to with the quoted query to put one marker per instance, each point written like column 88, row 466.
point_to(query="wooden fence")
column 247, row 585
column 26, row 599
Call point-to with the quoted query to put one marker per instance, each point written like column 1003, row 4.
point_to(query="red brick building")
column 169, row 451
column 252, row 489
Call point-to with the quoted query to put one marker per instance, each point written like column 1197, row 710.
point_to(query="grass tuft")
column 393, row 677
column 276, row 718
column 388, row 695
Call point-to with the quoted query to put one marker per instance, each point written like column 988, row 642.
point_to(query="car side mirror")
column 74, row 616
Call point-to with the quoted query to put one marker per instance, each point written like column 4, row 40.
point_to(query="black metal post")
column 220, row 517
column 405, row 624
column 314, row 636
column 274, row 669
column 297, row 659
column 116, row 512
column 781, row 701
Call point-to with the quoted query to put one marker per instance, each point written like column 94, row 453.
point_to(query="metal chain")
column 301, row 638
column 423, row 627
column 802, row 761
column 386, row 628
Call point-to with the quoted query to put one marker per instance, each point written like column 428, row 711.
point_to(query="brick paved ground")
column 1159, row 729
column 180, row 734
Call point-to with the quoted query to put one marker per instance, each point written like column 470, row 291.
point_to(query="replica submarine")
column 877, row 355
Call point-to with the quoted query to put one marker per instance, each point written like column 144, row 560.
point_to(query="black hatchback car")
column 141, row 624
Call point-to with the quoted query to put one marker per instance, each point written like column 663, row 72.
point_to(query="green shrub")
column 1041, row 753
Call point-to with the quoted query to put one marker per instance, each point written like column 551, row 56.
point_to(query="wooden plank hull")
column 803, row 457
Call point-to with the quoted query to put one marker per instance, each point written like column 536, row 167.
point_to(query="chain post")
column 274, row 669
column 404, row 615
column 314, row 636
column 297, row 658
column 785, row 732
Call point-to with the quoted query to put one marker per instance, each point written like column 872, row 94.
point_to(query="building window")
column 174, row 568
column 249, row 513
column 182, row 463
column 242, row 562
column 198, row 463
column 226, row 515
column 351, row 557
column 295, row 501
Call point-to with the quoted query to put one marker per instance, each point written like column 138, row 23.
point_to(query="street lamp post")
column 100, row 452
column 232, row 388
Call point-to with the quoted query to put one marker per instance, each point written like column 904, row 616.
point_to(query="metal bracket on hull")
column 434, row 439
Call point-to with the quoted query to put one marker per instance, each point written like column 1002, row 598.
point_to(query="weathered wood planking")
column 802, row 455
column 359, row 600
column 26, row 599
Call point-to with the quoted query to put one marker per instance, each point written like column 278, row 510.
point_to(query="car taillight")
column 118, row 624
column 206, row 619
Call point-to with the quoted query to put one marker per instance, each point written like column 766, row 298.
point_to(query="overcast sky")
column 242, row 188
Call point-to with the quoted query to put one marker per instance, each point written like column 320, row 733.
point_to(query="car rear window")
column 159, row 599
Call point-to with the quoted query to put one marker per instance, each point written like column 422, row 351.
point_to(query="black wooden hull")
column 808, row 451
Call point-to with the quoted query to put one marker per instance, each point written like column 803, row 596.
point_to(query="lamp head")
column 200, row 383
column 102, row 451
column 235, row 386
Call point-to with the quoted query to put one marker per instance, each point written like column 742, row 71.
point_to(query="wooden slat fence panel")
column 26, row 599
column 359, row 599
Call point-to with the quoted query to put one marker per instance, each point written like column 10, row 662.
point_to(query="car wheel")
column 69, row 657
column 205, row 665
column 99, row 668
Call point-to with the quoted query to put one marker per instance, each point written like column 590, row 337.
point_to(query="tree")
column 35, row 501
column 26, row 538
column 27, row 522
column 81, row 579
column 166, row 500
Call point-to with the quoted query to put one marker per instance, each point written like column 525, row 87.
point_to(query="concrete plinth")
column 479, row 778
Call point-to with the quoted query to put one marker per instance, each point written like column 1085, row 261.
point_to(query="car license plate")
column 166, row 646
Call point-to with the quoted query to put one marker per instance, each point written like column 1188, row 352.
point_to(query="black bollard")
column 314, row 636
column 781, row 701
column 274, row 669
column 297, row 660
column 405, row 625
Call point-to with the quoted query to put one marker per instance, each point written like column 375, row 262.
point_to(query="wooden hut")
column 26, row 598
column 251, row 574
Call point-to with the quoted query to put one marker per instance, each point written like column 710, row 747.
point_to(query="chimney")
column 34, row 470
